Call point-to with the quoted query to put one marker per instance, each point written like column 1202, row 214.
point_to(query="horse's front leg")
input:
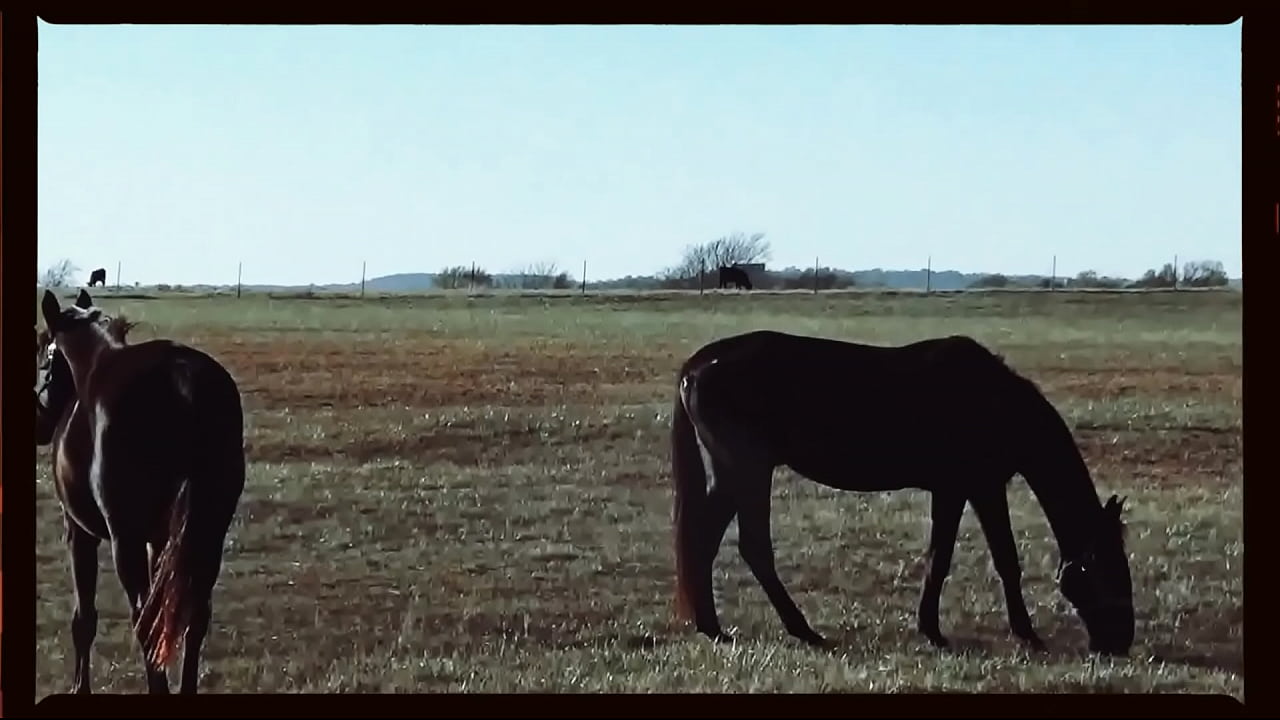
column 84, row 617
column 992, row 507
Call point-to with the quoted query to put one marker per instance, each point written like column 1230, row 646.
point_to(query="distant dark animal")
column 98, row 277
column 148, row 453
column 944, row 415
column 734, row 276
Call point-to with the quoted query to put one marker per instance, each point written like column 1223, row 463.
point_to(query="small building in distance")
column 755, row 271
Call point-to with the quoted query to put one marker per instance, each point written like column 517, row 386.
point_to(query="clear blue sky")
column 303, row 151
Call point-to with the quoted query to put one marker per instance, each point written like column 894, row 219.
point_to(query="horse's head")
column 77, row 332
column 55, row 386
column 1098, row 584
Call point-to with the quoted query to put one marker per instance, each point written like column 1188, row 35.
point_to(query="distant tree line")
column 535, row 276
column 699, row 264
column 1195, row 274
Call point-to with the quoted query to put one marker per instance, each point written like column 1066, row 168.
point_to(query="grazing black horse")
column 735, row 276
column 148, row 452
column 98, row 277
column 764, row 399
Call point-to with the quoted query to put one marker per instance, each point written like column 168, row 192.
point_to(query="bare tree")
column 1204, row 273
column 1166, row 278
column 1091, row 279
column 60, row 274
column 728, row 250
column 543, row 276
column 824, row 279
column 537, row 276
column 991, row 280
column 459, row 276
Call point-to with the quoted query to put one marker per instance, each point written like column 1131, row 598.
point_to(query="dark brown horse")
column 852, row 417
column 735, row 276
column 148, row 451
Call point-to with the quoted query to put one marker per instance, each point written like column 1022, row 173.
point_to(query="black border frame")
column 1260, row 77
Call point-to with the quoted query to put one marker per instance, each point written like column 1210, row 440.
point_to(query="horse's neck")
column 1071, row 505
column 84, row 371
column 1056, row 473
column 64, row 420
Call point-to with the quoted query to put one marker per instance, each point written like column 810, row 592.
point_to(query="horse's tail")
column 689, row 477
column 188, row 568
column 166, row 614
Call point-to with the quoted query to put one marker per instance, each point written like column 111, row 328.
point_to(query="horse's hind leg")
column 84, row 618
column 719, row 511
column 992, row 507
column 204, row 577
column 132, row 567
column 208, row 544
column 753, row 485
column 201, row 612
column 946, row 510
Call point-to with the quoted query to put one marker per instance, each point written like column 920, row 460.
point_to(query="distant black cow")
column 734, row 276
column 98, row 277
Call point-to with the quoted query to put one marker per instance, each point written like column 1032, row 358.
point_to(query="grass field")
column 473, row 495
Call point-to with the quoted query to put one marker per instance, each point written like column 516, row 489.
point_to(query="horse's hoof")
column 716, row 635
column 813, row 639
column 937, row 640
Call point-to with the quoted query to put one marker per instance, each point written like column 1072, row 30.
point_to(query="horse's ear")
column 1115, row 505
column 83, row 301
column 50, row 309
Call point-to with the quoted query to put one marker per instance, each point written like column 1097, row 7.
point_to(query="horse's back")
column 170, row 395
column 909, row 408
column 772, row 361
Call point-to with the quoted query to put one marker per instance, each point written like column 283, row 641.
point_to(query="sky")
column 180, row 152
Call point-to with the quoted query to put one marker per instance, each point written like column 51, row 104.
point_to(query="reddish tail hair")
column 689, row 477
column 167, row 612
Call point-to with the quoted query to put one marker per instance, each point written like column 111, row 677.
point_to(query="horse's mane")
column 118, row 327
column 1116, row 521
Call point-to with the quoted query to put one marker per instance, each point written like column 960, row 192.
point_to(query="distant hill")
column 397, row 283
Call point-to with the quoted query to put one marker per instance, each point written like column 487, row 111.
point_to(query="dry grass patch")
column 452, row 495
